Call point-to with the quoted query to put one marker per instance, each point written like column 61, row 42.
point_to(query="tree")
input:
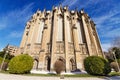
column 9, row 56
column 109, row 56
column 116, row 50
column 59, row 66
column 116, row 42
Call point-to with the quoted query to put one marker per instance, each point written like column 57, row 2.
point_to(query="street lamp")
column 6, row 52
column 116, row 61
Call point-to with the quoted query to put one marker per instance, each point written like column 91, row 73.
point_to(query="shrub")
column 95, row 65
column 114, row 66
column 59, row 66
column 21, row 64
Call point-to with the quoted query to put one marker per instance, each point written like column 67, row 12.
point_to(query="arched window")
column 41, row 26
column 72, row 64
column 80, row 40
column 60, row 29
column 68, row 30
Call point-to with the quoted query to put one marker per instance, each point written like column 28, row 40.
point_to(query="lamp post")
column 116, row 61
column 6, row 52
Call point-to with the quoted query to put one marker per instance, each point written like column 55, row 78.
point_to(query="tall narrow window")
column 60, row 29
column 68, row 31
column 41, row 26
column 79, row 32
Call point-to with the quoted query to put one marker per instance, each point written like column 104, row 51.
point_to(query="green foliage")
column 95, row 65
column 114, row 74
column 1, row 59
column 117, row 52
column 109, row 56
column 21, row 64
column 8, row 56
column 118, row 60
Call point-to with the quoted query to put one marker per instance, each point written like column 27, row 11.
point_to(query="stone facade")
column 12, row 49
column 60, row 34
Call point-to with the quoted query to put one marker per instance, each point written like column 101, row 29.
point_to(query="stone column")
column 88, row 41
column 29, row 39
column 24, row 38
column 75, row 41
column 66, row 42
column 93, row 45
column 100, row 53
column 45, row 41
column 54, row 36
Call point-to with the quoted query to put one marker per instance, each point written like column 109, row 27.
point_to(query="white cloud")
column 106, row 46
column 2, row 25
column 107, row 17
column 15, row 34
column 80, row 3
column 16, row 17
column 69, row 2
column 13, row 22
column 108, row 26
column 1, row 49
column 112, row 33
column 108, row 23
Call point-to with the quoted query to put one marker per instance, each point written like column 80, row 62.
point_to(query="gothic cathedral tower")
column 60, row 34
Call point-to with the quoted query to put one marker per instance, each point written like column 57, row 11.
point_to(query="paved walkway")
column 20, row 77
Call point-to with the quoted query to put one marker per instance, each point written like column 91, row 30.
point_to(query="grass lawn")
column 6, row 72
column 54, row 75
column 114, row 74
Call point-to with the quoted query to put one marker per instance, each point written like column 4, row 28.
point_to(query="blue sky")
column 15, row 13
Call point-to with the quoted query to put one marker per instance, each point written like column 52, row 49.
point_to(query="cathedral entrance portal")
column 35, row 64
column 72, row 65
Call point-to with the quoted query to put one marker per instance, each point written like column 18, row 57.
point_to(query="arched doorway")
column 35, row 64
column 47, row 63
column 72, row 64
column 61, row 59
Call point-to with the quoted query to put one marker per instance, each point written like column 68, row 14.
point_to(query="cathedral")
column 60, row 34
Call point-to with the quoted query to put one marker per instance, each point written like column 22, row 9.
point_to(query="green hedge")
column 95, row 65
column 21, row 64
